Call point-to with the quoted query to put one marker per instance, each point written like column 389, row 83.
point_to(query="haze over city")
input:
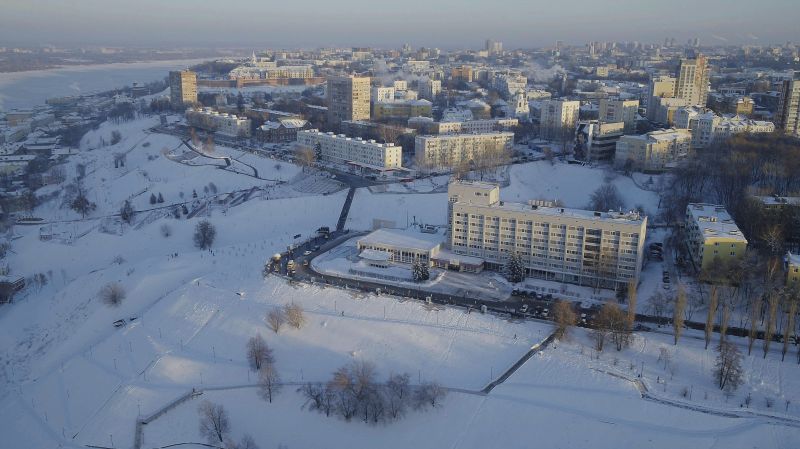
column 446, row 23
column 422, row 224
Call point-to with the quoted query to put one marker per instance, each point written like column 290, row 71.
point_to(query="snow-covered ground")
column 69, row 378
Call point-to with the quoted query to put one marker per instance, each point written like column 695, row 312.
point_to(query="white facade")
column 343, row 149
column 602, row 249
column 429, row 89
column 447, row 151
column 624, row 111
column 556, row 116
column 219, row 122
column 654, row 151
column 383, row 94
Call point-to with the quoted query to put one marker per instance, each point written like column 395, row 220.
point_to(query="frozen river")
column 27, row 89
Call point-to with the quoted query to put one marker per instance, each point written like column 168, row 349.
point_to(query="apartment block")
column 218, row 122
column 597, row 141
column 599, row 249
column 788, row 114
column 428, row 126
column 353, row 151
column 624, row 111
column 558, row 118
column 660, row 87
column 712, row 236
column 182, row 88
column 448, row 151
column 691, row 84
column 654, row 151
column 430, row 89
column 348, row 98
column 402, row 109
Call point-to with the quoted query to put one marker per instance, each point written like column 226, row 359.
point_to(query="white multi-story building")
column 354, row 151
column 624, row 111
column 218, row 122
column 654, row 151
column 429, row 89
column 558, row 117
column 400, row 85
column 708, row 127
column 383, row 94
column 450, row 150
column 600, row 249
column 428, row 126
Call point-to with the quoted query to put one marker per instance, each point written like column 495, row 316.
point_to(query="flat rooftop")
column 714, row 221
column 630, row 217
column 402, row 238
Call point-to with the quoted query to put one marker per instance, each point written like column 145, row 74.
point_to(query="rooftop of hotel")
column 402, row 238
column 714, row 221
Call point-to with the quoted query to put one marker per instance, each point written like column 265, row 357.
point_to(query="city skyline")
column 359, row 23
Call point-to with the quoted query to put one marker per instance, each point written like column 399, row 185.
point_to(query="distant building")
column 448, row 151
column 462, row 73
column 624, row 111
column 348, row 98
column 428, row 126
column 664, row 109
column 609, row 252
column 402, row 109
column 182, row 88
column 281, row 130
column 363, row 154
column 792, row 268
column 712, row 236
column 597, row 141
column 493, row 47
column 708, row 127
column 429, row 89
column 691, row 84
column 788, row 113
column 654, row 151
column 660, row 87
column 218, row 122
column 558, row 118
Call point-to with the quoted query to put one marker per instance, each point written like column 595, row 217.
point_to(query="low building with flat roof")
column 712, row 237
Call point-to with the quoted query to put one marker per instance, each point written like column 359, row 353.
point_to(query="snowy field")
column 559, row 398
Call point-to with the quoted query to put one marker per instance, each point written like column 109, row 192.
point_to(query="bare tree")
column 728, row 367
column 565, row 317
column 429, row 394
column 112, row 294
column 724, row 319
column 773, row 301
column 712, row 310
column 247, row 442
column 258, row 353
column 606, row 198
column 214, row 423
column 275, row 319
column 755, row 314
column 677, row 313
column 614, row 322
column 166, row 230
column 269, row 381
column 204, row 234
column 632, row 293
column 305, row 156
column 398, row 394
column 295, row 315
column 792, row 297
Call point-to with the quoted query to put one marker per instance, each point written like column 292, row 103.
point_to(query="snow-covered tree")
column 420, row 271
column 126, row 212
column 214, row 423
column 514, row 270
column 204, row 235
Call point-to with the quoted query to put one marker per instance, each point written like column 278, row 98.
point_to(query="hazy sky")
column 434, row 23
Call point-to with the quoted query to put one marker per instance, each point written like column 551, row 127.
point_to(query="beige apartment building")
column 598, row 249
column 613, row 111
column 558, row 118
column 353, row 151
column 660, row 87
column 348, row 98
column 654, row 151
column 712, row 236
column 449, row 150
column 691, row 84
column 182, row 88
column 788, row 114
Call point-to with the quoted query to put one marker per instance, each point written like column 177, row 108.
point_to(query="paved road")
column 345, row 209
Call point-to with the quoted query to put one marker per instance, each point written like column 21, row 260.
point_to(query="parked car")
column 119, row 323
column 523, row 309
column 307, row 253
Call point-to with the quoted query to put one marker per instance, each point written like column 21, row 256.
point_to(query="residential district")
column 643, row 191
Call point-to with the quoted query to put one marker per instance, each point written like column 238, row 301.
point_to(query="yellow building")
column 712, row 236
column 792, row 270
